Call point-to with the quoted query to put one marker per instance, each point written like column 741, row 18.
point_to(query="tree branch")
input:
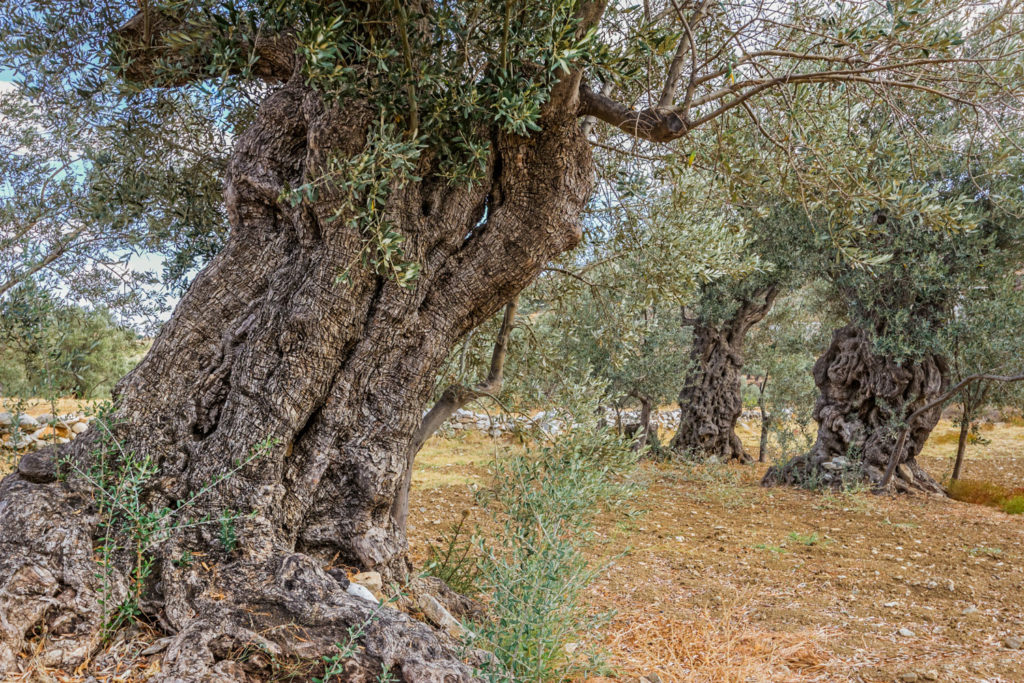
column 161, row 52
column 457, row 395
column 453, row 398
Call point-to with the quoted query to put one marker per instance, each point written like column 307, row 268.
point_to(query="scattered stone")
column 5, row 419
column 906, row 632
column 905, row 473
column 1012, row 643
column 44, row 419
column 930, row 675
column 79, row 427
column 27, row 422
column 969, row 610
column 571, row 647
column 891, row 604
column 840, row 461
column 436, row 612
column 371, row 580
column 909, row 677
column 361, row 592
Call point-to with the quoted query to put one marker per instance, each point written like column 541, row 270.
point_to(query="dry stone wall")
column 498, row 424
column 22, row 432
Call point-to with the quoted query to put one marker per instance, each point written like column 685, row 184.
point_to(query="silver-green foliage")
column 535, row 570
column 50, row 348
column 780, row 355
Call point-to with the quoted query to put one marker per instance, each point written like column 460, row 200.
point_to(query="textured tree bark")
column 711, row 400
column 267, row 344
column 961, row 446
column 766, row 421
column 864, row 399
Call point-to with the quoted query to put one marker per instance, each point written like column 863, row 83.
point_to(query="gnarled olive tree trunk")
column 863, row 402
column 711, row 399
column 267, row 344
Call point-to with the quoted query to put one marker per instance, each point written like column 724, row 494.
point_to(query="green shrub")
column 1014, row 505
column 534, row 571
column 455, row 560
column 51, row 348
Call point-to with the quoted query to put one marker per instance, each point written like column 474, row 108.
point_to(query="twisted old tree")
column 407, row 170
column 880, row 377
column 711, row 399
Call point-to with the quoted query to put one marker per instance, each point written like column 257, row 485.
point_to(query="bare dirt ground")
column 714, row 578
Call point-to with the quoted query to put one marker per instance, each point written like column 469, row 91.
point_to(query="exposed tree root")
column 53, row 592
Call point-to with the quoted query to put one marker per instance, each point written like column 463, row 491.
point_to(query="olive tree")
column 400, row 171
column 947, row 228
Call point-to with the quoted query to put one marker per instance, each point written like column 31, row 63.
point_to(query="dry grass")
column 714, row 647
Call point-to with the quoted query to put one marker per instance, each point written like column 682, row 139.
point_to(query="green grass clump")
column 1013, row 505
column 535, row 571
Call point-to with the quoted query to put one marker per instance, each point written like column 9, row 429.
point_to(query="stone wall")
column 552, row 423
column 20, row 432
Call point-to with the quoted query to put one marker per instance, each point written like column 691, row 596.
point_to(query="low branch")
column 457, row 395
column 453, row 398
column 894, row 459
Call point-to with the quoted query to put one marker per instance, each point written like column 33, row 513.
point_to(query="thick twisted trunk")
column 268, row 345
column 864, row 399
column 711, row 399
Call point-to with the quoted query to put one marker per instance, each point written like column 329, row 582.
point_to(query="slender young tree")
column 404, row 171
column 985, row 335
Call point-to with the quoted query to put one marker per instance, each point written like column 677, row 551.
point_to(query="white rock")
column 361, row 592
column 79, row 427
column 45, row 418
column 5, row 419
column 27, row 421
column 906, row 632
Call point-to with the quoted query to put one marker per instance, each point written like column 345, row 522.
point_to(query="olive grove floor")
column 716, row 579
column 713, row 578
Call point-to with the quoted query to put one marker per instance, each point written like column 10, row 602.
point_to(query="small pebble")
column 906, row 633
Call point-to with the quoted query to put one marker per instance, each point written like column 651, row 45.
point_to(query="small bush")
column 455, row 560
column 1013, row 505
column 535, row 572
